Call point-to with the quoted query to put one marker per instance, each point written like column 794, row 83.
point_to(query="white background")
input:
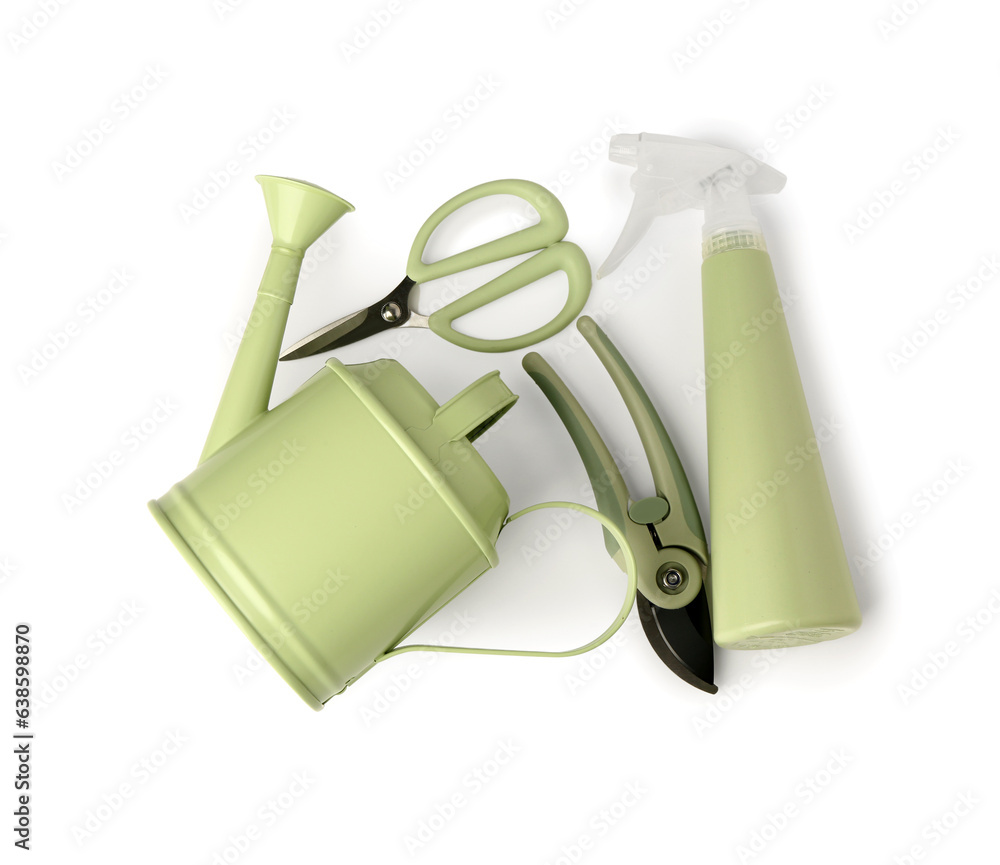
column 912, row 104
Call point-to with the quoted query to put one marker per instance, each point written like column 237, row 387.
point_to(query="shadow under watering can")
column 359, row 482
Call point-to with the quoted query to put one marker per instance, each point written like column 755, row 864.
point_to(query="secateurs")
column 663, row 530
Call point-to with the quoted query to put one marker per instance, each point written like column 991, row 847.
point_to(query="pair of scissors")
column 394, row 309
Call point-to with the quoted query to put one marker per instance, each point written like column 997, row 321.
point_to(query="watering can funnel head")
column 299, row 213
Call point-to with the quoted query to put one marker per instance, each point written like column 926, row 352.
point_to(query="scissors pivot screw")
column 672, row 578
column 391, row 312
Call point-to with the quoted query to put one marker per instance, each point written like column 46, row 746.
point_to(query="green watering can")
column 359, row 488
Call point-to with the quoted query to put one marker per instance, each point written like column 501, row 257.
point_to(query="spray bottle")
column 779, row 575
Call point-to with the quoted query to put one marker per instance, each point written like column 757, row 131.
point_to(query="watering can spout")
column 299, row 213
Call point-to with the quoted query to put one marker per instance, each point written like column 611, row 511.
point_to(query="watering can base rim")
column 255, row 637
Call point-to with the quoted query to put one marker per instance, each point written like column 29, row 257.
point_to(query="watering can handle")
column 630, row 570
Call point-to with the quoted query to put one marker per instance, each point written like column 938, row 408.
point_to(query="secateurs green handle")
column 664, row 531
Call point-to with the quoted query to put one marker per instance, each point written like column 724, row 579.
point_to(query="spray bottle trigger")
column 645, row 208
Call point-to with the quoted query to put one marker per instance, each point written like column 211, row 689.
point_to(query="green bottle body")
column 779, row 575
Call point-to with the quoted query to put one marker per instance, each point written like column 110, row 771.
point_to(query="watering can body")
column 340, row 520
column 332, row 525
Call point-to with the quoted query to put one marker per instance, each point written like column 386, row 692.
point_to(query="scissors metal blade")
column 323, row 338
column 391, row 311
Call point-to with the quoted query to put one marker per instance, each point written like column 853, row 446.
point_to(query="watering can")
column 332, row 525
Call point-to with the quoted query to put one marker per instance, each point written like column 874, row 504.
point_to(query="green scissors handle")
column 546, row 235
